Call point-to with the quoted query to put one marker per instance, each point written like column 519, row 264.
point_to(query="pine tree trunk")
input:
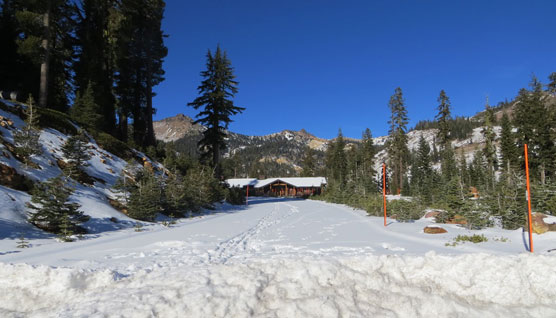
column 150, row 139
column 400, row 185
column 122, row 127
column 45, row 65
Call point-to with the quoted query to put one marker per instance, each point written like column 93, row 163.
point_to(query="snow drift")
column 387, row 286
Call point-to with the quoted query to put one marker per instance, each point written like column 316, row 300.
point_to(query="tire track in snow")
column 246, row 243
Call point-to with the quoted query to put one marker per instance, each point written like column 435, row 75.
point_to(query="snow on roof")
column 241, row 182
column 296, row 182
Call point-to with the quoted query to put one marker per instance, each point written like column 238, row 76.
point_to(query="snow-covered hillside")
column 104, row 168
column 282, row 258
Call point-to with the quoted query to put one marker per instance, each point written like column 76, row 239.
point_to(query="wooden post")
column 529, row 219
column 247, row 198
column 384, row 190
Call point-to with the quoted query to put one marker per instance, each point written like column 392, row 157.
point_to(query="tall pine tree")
column 397, row 139
column 95, row 65
column 216, row 93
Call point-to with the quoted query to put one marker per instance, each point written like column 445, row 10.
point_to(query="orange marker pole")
column 384, row 190
column 247, row 198
column 529, row 202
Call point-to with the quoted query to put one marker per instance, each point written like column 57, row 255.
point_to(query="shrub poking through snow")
column 53, row 212
column 138, row 227
column 26, row 140
column 475, row 238
column 22, row 243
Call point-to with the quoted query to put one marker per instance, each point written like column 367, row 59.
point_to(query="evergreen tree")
column 489, row 149
column 14, row 67
column 95, row 64
column 27, row 139
column 140, row 55
column 367, row 154
column 147, row 198
column 443, row 118
column 308, row 163
column 336, row 162
column 551, row 87
column 22, row 243
column 86, row 111
column 76, row 154
column 53, row 211
column 397, row 141
column 508, row 149
column 179, row 199
column 535, row 128
column 422, row 172
column 125, row 182
column 46, row 39
column 216, row 92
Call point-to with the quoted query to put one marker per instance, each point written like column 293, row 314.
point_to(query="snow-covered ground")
column 281, row 258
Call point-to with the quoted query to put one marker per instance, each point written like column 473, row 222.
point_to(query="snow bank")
column 388, row 286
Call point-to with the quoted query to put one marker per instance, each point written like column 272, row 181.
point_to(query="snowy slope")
column 282, row 258
column 103, row 166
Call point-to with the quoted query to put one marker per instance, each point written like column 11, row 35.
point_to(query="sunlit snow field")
column 281, row 258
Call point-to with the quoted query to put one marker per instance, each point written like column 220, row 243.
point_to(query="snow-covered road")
column 281, row 258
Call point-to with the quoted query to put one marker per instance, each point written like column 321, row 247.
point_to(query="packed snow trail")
column 281, row 258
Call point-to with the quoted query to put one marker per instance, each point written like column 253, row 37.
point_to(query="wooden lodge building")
column 280, row 187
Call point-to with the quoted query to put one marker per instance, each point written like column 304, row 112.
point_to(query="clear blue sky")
column 323, row 65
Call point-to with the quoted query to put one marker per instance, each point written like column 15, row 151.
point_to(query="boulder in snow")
column 434, row 230
column 539, row 225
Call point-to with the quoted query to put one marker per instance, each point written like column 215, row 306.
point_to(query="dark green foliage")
column 235, row 196
column 508, row 203
column 443, row 117
column 508, row 148
column 422, row 174
column 14, row 67
column 459, row 127
column 397, row 142
column 543, row 197
column 475, row 238
column 113, row 145
column 367, row 153
column 49, row 49
column 147, row 197
column 308, row 163
column 86, row 111
column 76, row 154
column 95, row 65
column 336, row 163
column 551, row 87
column 26, row 140
column 140, row 53
column 216, row 92
column 50, row 118
column 53, row 211
column 489, row 150
column 405, row 210
column 535, row 127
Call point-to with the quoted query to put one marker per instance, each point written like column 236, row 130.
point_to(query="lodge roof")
column 296, row 182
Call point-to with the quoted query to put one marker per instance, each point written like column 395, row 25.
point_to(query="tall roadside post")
column 384, row 190
column 247, row 197
column 529, row 218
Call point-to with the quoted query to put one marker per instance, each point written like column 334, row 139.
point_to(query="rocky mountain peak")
column 176, row 127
